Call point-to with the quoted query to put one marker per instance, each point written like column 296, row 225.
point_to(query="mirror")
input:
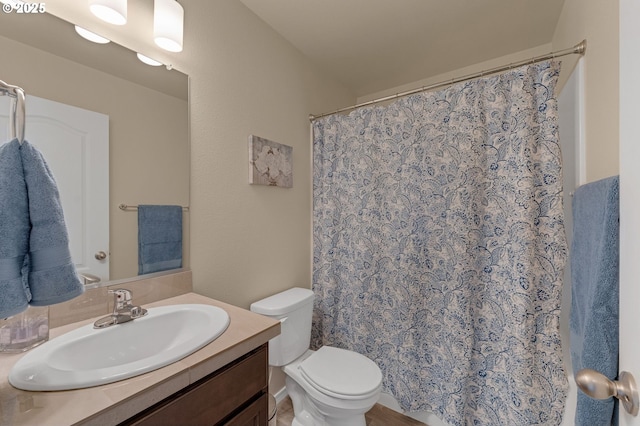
column 148, row 118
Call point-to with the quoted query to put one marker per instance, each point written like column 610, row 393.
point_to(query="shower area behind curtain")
column 439, row 246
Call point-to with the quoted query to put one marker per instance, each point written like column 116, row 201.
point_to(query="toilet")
column 330, row 386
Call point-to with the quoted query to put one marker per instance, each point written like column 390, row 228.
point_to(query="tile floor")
column 379, row 415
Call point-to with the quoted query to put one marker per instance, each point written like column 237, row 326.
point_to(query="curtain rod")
column 579, row 49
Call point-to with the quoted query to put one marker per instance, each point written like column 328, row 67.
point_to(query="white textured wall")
column 597, row 22
column 462, row 72
column 247, row 241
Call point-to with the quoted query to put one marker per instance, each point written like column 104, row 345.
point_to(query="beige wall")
column 149, row 153
column 462, row 72
column 597, row 22
column 249, row 241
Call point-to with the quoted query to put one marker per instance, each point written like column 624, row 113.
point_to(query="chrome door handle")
column 101, row 255
column 598, row 386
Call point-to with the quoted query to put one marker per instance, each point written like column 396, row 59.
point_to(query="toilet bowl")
column 330, row 386
column 328, row 390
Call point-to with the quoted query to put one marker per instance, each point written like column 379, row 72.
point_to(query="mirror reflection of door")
column 75, row 144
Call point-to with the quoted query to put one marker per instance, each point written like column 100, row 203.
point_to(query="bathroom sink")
column 88, row 357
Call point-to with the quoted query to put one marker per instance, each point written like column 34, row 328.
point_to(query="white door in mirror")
column 75, row 144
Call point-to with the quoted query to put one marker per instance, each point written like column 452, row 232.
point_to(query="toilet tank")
column 294, row 309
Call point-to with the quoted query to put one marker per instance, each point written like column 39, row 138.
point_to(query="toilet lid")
column 342, row 372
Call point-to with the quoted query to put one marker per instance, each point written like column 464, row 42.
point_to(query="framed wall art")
column 270, row 163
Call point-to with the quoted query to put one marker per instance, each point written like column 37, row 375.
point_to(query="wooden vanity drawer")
column 223, row 394
column 255, row 414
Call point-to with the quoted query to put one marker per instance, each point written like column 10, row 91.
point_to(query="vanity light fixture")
column 111, row 11
column 168, row 24
column 91, row 36
column 147, row 60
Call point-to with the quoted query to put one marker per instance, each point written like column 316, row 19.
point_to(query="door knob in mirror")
column 598, row 386
column 101, row 255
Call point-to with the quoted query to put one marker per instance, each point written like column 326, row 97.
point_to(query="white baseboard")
column 281, row 395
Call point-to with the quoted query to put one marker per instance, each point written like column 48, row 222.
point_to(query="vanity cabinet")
column 235, row 395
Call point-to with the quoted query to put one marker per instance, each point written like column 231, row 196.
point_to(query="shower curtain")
column 439, row 246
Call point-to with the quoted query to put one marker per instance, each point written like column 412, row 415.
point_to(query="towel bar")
column 126, row 207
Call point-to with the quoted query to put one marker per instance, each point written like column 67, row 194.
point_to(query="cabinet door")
column 254, row 415
column 216, row 397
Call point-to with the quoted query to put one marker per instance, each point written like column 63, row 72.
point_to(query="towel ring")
column 17, row 112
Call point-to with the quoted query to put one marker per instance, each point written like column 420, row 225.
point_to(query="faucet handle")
column 138, row 311
column 121, row 299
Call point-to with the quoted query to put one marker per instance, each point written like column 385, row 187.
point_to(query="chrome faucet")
column 123, row 310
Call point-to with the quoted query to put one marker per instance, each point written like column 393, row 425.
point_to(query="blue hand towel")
column 594, row 279
column 159, row 238
column 52, row 274
column 14, row 230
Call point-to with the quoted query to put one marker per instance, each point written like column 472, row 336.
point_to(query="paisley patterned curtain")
column 439, row 246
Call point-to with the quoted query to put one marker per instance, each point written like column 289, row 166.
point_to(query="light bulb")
column 111, row 11
column 168, row 24
column 147, row 60
column 91, row 36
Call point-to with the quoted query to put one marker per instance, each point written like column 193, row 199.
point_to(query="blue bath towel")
column 14, row 231
column 52, row 274
column 594, row 287
column 159, row 238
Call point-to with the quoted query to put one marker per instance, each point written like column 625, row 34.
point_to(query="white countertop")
column 115, row 402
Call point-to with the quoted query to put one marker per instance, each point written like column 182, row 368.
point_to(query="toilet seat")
column 341, row 373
